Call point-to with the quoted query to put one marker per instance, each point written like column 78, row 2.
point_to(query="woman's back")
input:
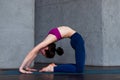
column 66, row 32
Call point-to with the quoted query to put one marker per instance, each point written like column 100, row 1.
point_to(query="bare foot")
column 49, row 68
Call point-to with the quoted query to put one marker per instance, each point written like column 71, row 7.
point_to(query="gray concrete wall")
column 85, row 16
column 16, row 31
column 111, row 29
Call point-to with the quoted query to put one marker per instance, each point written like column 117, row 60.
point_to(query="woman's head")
column 50, row 52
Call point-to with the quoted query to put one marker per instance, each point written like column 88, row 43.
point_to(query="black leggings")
column 77, row 44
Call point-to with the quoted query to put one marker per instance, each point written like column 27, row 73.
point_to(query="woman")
column 47, row 48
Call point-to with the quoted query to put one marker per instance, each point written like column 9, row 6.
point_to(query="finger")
column 24, row 71
column 28, row 72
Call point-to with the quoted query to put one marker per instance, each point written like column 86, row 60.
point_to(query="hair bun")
column 59, row 51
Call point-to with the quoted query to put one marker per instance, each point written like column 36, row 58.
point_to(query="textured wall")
column 16, row 31
column 85, row 16
column 111, row 29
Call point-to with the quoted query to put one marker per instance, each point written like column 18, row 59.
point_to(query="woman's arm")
column 33, row 53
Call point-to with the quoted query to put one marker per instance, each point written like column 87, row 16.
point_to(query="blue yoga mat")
column 16, row 72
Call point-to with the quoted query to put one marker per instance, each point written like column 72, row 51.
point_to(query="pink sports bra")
column 55, row 32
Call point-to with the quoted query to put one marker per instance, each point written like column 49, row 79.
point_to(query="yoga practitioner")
column 48, row 49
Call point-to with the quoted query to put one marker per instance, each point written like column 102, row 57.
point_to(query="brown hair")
column 50, row 53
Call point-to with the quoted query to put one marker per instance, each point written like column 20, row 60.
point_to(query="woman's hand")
column 49, row 68
column 27, row 70
column 24, row 71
